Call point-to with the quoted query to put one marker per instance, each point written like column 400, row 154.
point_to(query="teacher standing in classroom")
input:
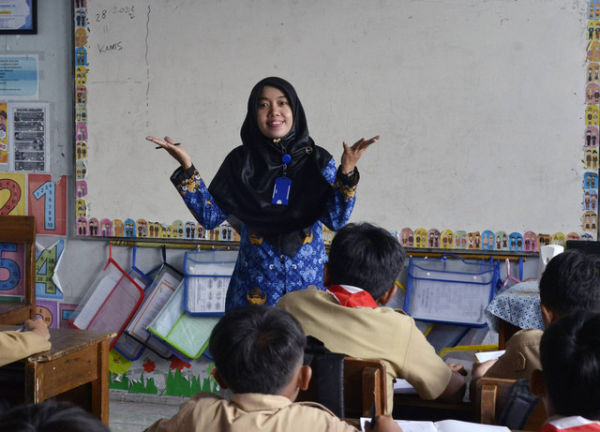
column 281, row 187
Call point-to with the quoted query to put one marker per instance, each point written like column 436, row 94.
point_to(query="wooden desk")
column 412, row 407
column 75, row 369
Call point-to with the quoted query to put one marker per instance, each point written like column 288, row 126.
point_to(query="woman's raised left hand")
column 353, row 153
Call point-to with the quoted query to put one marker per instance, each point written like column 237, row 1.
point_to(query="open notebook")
column 442, row 426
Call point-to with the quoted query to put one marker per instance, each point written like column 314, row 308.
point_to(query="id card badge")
column 281, row 191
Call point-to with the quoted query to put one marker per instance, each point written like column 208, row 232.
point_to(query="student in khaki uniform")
column 570, row 382
column 364, row 262
column 16, row 345
column 570, row 283
column 258, row 353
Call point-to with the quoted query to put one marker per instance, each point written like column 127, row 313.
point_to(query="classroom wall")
column 82, row 259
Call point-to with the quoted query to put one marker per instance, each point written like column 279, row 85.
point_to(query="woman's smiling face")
column 274, row 113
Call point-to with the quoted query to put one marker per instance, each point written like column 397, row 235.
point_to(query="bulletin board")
column 481, row 105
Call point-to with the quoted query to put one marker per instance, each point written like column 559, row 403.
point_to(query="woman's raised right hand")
column 174, row 149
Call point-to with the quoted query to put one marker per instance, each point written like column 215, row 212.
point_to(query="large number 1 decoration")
column 49, row 191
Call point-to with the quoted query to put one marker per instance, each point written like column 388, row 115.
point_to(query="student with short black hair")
column 50, row 416
column 258, row 353
column 364, row 262
column 570, row 284
column 570, row 381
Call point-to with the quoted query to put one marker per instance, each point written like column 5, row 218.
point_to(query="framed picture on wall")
column 18, row 17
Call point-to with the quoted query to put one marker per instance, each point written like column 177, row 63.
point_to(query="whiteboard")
column 480, row 103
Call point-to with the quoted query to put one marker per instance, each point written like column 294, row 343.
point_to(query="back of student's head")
column 571, row 282
column 257, row 349
column 50, row 416
column 365, row 256
column 570, row 357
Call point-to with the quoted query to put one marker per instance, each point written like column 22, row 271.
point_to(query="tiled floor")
column 135, row 413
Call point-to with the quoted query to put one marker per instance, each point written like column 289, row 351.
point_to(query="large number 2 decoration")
column 14, row 271
column 49, row 190
column 13, row 199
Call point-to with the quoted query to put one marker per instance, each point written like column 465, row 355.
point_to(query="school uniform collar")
column 259, row 402
column 351, row 296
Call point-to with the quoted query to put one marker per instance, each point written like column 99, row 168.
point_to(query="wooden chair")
column 20, row 229
column 491, row 396
column 363, row 384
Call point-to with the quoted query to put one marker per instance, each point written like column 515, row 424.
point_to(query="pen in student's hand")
column 159, row 147
column 373, row 418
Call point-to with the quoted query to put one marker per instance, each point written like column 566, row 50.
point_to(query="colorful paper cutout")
column 501, row 240
column 515, row 242
column 47, row 284
column 590, row 180
column 106, row 228
column 66, row 313
column 460, row 239
column 543, row 240
column 82, row 226
column 447, row 239
column 118, row 228
column 93, row 227
column 12, row 264
column 590, row 219
column 421, row 238
column 530, row 242
column 48, row 204
column 559, row 239
column 3, row 134
column 130, row 228
column 406, row 237
column 474, row 240
column 593, row 72
column 488, row 240
column 433, row 238
column 49, row 312
column 12, row 194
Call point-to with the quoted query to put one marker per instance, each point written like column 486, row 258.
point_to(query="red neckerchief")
column 351, row 296
column 572, row 424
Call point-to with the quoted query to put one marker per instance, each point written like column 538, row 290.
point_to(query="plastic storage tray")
column 207, row 275
column 186, row 335
column 452, row 290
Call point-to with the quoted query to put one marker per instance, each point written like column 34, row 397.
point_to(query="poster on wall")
column 19, row 77
column 29, row 135
column 18, row 16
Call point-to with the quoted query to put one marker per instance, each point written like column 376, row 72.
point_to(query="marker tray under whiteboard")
column 450, row 290
column 207, row 275
column 185, row 335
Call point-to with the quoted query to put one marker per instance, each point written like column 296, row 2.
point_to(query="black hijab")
column 243, row 186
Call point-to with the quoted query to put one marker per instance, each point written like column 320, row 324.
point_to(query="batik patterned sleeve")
column 196, row 196
column 341, row 203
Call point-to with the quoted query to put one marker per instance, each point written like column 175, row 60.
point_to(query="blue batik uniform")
column 262, row 274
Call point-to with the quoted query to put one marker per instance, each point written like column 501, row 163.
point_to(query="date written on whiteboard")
column 115, row 10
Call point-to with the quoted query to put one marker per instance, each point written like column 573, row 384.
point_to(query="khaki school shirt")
column 521, row 358
column 249, row 412
column 381, row 333
column 18, row 345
